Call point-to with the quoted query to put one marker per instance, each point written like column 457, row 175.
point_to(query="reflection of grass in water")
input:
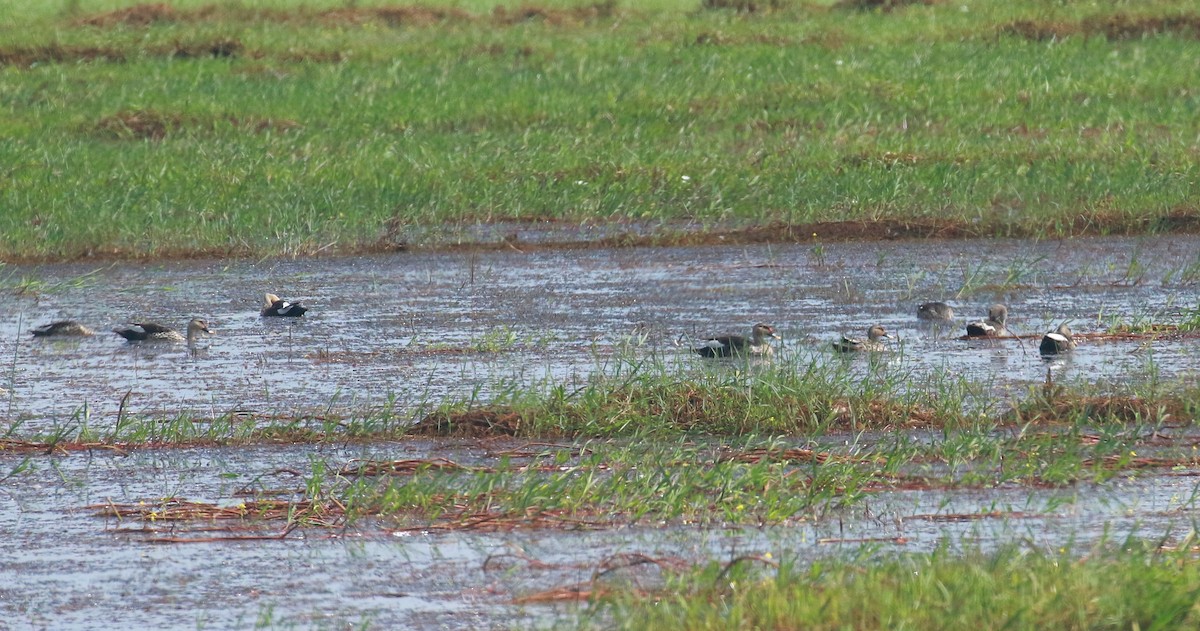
column 1132, row 584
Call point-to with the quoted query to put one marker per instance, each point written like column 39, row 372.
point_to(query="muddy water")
column 417, row 327
column 422, row 327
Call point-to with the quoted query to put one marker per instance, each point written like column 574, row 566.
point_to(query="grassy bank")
column 293, row 128
column 1130, row 586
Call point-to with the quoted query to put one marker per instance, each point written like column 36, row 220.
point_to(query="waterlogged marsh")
column 336, row 577
column 412, row 330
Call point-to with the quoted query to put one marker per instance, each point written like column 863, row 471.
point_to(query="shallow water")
column 418, row 327
column 423, row 327
column 65, row 568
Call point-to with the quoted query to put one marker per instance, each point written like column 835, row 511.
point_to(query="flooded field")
column 419, row 328
column 411, row 330
column 65, row 567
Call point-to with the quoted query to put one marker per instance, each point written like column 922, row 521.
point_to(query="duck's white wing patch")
column 1061, row 339
column 137, row 328
column 713, row 344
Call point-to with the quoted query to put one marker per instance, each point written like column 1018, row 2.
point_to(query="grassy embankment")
column 191, row 128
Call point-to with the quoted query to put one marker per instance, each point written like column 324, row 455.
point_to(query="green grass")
column 644, row 445
column 322, row 134
column 1133, row 586
column 642, row 397
column 692, row 481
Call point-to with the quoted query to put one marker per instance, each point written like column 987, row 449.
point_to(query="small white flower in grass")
column 838, row 62
column 580, row 183
column 686, row 178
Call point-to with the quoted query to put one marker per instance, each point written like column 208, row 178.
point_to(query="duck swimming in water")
column 276, row 307
column 729, row 345
column 993, row 326
column 935, row 311
column 62, row 328
column 151, row 332
column 1057, row 341
column 853, row 344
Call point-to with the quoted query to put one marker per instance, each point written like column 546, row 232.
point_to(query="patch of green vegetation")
column 747, row 480
column 645, row 449
column 294, row 129
column 1134, row 586
column 641, row 397
column 1191, row 320
column 611, row 484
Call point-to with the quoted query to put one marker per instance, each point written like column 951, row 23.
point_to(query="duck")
column 1057, row 341
column 729, row 345
column 276, row 307
column 937, row 311
column 993, row 326
column 151, row 332
column 853, row 345
column 62, row 328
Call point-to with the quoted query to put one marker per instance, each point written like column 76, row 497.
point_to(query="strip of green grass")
column 641, row 398
column 316, row 134
column 686, row 481
column 1134, row 587
column 651, row 447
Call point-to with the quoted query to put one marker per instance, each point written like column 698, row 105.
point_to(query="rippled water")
column 424, row 326
column 421, row 327
column 65, row 568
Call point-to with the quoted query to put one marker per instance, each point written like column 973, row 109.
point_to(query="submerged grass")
column 186, row 128
column 1135, row 585
column 605, row 484
column 760, row 446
